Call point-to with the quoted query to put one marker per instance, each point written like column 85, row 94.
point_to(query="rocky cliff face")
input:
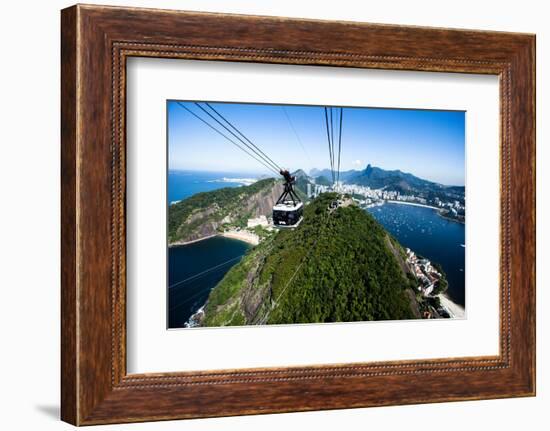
column 262, row 203
column 197, row 218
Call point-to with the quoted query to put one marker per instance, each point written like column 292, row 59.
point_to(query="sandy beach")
column 437, row 209
column 176, row 244
column 414, row 204
column 241, row 235
column 455, row 311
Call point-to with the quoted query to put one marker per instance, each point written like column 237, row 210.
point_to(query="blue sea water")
column 425, row 232
column 183, row 184
column 194, row 269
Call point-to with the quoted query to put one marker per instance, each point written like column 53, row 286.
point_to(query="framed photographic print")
column 285, row 220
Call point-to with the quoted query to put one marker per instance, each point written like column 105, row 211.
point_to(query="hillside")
column 377, row 178
column 300, row 187
column 336, row 266
column 203, row 214
column 395, row 180
column 344, row 175
column 322, row 181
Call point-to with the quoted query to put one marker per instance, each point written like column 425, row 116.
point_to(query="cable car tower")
column 288, row 210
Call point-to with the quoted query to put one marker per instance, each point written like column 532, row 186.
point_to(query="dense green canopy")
column 337, row 266
column 215, row 205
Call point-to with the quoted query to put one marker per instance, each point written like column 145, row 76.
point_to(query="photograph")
column 301, row 214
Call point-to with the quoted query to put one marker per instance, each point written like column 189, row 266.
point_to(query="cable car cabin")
column 288, row 210
column 288, row 214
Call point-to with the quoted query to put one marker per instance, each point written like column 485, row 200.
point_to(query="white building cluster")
column 314, row 190
column 425, row 273
column 374, row 197
column 455, row 207
column 258, row 221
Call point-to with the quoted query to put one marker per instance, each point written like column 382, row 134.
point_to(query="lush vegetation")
column 377, row 178
column 300, row 186
column 190, row 214
column 225, row 306
column 443, row 284
column 336, row 266
column 322, row 180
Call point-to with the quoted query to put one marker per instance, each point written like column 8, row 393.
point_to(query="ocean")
column 183, row 184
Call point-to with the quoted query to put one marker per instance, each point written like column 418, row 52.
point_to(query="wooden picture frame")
column 95, row 43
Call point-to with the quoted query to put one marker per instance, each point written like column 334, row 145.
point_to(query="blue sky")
column 428, row 144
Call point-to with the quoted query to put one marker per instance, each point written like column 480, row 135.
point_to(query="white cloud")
column 357, row 163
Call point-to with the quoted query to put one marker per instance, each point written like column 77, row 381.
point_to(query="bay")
column 426, row 233
column 194, row 269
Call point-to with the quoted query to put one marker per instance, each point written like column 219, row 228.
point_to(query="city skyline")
column 426, row 143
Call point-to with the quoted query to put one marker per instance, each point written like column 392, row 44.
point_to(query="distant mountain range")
column 378, row 178
column 344, row 175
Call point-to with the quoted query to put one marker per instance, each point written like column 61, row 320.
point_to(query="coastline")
column 414, row 204
column 452, row 219
column 179, row 243
column 437, row 209
column 250, row 238
column 247, row 237
column 455, row 311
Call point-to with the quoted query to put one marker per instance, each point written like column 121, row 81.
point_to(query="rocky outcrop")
column 208, row 221
column 262, row 203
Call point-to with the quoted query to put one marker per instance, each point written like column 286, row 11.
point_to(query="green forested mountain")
column 327, row 173
column 377, row 178
column 204, row 213
column 323, row 181
column 336, row 266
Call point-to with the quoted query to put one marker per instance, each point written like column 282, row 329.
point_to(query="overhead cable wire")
column 295, row 132
column 250, row 144
column 253, row 148
column 329, row 146
column 332, row 144
column 195, row 278
column 339, row 143
column 302, row 262
column 202, row 273
column 228, row 138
